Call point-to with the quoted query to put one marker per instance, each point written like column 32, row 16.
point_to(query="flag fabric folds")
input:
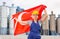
column 25, row 16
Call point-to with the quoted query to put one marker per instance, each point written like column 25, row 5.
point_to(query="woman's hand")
column 45, row 16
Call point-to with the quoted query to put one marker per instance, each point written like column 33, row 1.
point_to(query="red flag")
column 24, row 16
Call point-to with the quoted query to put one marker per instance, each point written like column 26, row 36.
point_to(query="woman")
column 35, row 26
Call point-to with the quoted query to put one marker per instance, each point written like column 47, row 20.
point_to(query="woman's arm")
column 45, row 16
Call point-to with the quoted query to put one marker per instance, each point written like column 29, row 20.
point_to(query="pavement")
column 25, row 37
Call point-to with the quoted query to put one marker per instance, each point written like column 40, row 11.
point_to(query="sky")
column 52, row 5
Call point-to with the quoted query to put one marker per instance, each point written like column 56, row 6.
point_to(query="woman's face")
column 35, row 16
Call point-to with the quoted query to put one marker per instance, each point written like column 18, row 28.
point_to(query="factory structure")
column 50, row 26
column 6, row 22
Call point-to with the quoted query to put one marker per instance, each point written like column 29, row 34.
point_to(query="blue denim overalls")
column 34, row 31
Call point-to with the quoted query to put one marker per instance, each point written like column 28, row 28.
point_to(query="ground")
column 25, row 37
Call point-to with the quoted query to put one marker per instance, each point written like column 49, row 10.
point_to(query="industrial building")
column 45, row 27
column 58, row 24
column 4, row 10
column 52, row 23
column 6, row 22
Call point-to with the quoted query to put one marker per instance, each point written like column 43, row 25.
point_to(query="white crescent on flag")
column 19, row 19
column 20, row 16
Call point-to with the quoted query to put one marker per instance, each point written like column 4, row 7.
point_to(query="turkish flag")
column 25, row 16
